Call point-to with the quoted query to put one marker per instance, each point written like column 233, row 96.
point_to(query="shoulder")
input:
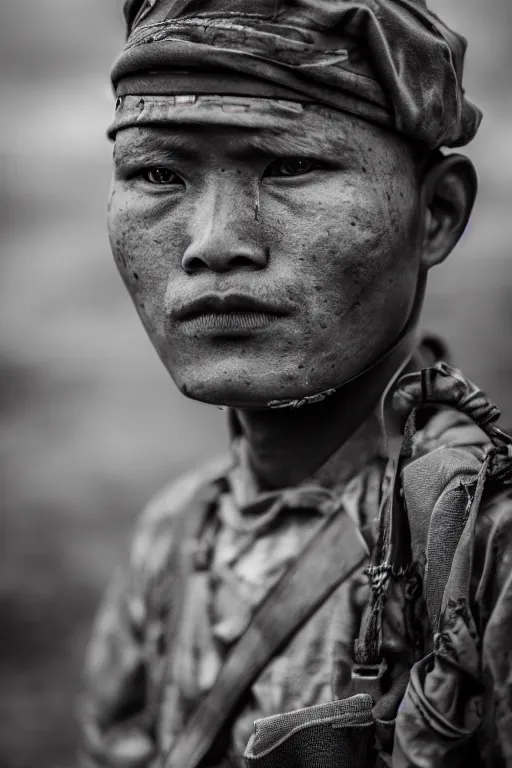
column 126, row 613
column 155, row 528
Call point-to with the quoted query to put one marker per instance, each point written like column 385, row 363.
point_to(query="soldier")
column 279, row 197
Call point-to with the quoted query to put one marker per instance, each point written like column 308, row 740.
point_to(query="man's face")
column 267, row 257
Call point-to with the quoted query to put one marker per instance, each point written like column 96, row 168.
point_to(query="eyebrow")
column 189, row 145
column 146, row 145
column 304, row 143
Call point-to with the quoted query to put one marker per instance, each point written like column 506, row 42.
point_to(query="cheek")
column 354, row 243
column 145, row 253
column 353, row 252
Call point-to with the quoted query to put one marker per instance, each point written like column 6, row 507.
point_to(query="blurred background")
column 90, row 423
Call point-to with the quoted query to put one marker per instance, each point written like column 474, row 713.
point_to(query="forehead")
column 245, row 123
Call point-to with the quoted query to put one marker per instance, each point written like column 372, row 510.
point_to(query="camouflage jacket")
column 246, row 546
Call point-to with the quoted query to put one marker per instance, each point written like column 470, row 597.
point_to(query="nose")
column 223, row 257
column 225, row 234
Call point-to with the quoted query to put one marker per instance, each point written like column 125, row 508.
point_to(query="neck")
column 287, row 446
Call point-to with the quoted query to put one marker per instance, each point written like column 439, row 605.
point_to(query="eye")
column 292, row 166
column 161, row 176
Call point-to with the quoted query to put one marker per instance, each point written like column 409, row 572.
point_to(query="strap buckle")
column 367, row 679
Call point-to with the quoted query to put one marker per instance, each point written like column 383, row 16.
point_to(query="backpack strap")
column 446, row 482
column 331, row 557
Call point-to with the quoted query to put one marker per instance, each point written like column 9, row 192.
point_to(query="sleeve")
column 116, row 728
column 124, row 658
column 117, row 717
column 494, row 600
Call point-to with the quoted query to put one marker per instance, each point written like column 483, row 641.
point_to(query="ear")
column 447, row 197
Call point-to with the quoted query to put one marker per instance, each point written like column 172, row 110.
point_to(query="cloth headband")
column 392, row 62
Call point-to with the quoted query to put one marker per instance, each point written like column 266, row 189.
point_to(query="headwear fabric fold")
column 389, row 61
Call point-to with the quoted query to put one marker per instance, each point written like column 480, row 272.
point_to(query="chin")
column 227, row 392
column 245, row 391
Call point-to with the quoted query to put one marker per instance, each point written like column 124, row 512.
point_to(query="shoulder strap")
column 333, row 554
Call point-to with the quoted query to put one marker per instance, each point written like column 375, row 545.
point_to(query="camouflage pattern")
column 242, row 552
column 253, row 541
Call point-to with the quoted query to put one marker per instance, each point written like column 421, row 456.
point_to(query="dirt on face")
column 314, row 215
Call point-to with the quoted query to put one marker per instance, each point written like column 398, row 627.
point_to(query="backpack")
column 451, row 457
column 426, row 541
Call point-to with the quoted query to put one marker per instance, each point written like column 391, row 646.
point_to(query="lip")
column 229, row 314
column 225, row 303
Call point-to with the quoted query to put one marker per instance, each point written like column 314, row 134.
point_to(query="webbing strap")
column 331, row 557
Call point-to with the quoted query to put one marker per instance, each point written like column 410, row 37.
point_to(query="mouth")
column 226, row 315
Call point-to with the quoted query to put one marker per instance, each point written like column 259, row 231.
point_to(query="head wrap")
column 392, row 62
